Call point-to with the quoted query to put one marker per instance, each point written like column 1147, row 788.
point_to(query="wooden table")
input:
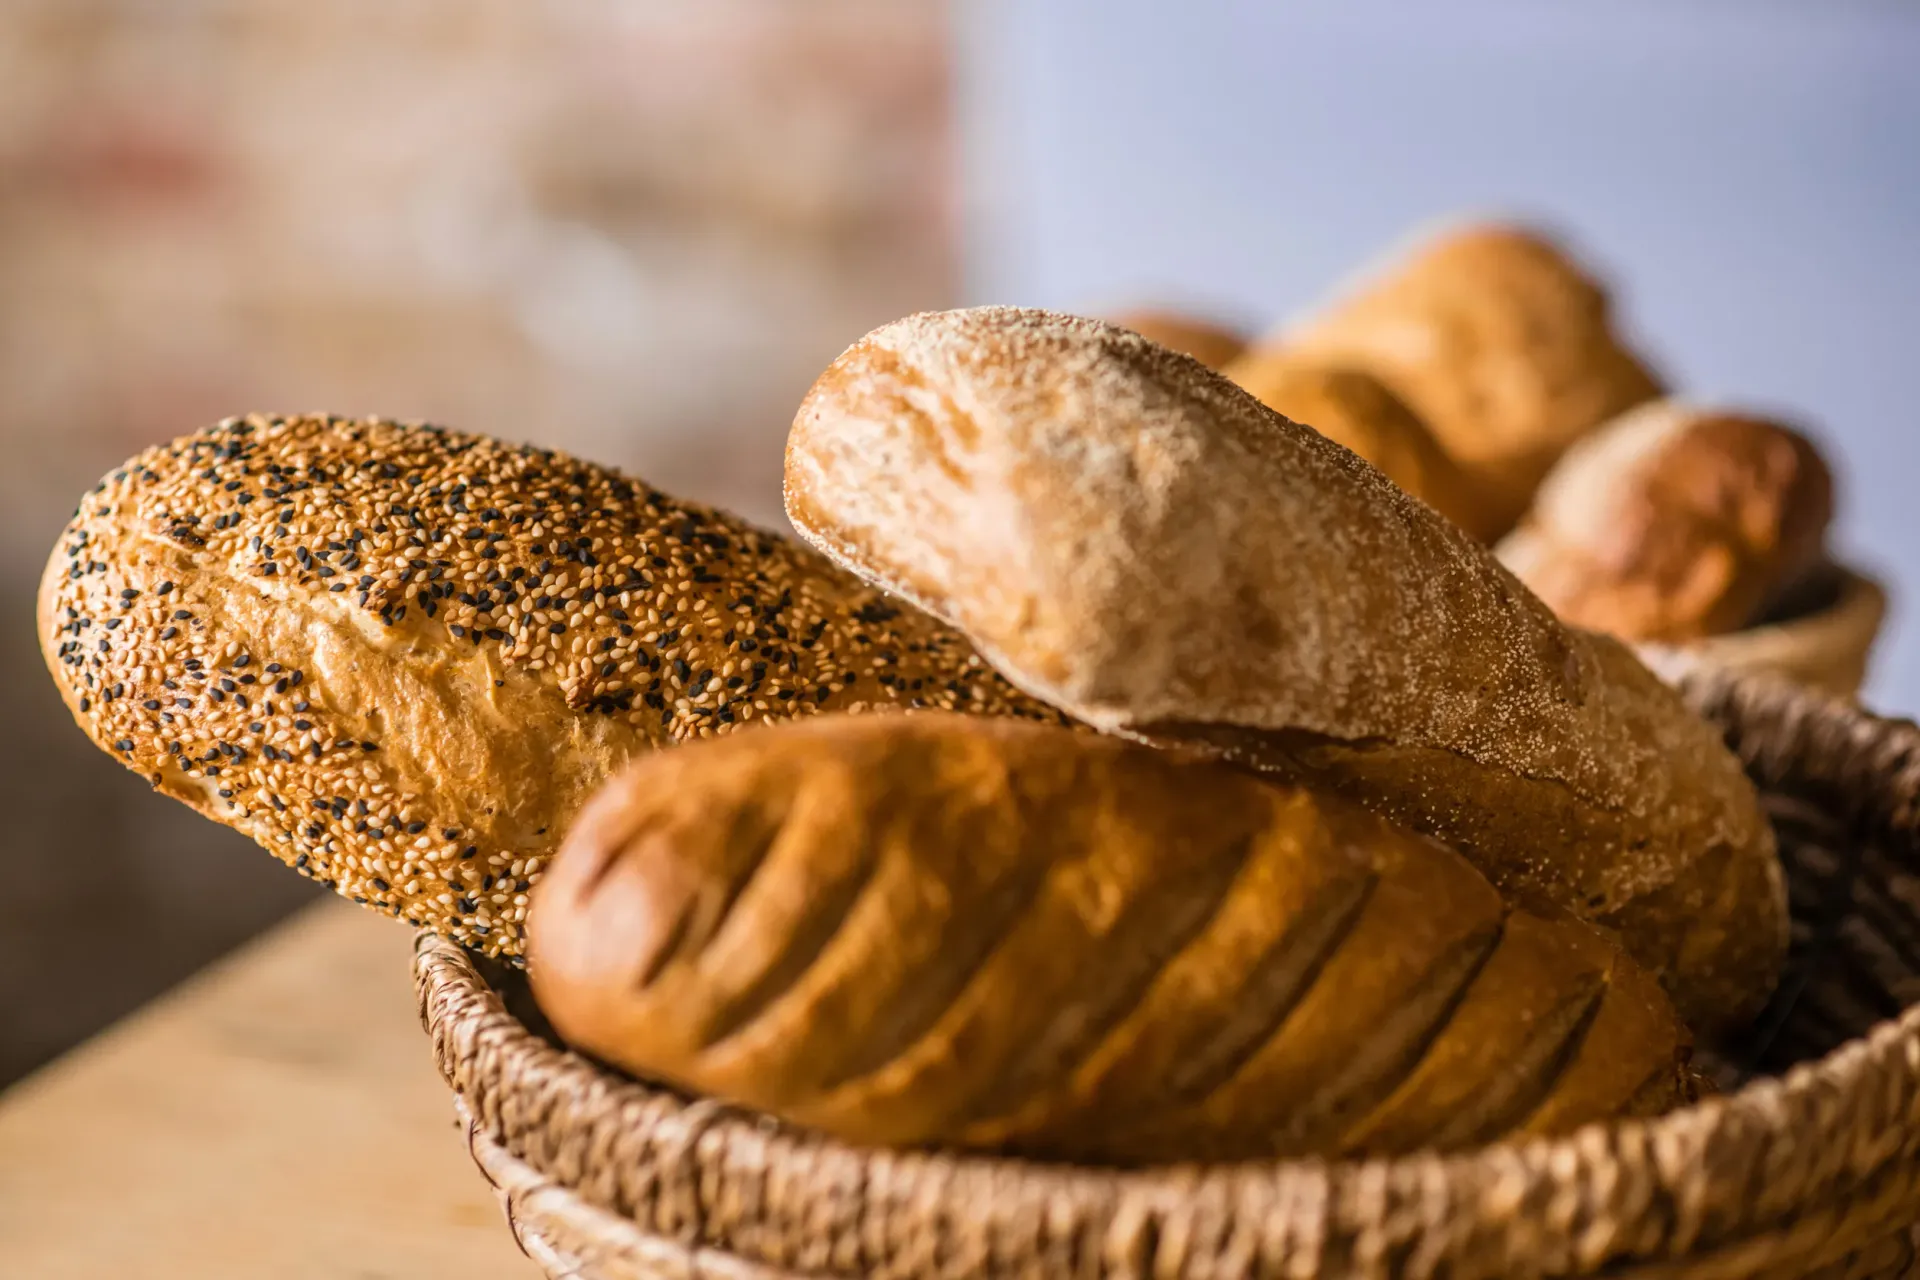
column 279, row 1116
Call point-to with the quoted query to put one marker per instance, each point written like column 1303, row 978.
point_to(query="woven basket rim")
column 1829, row 647
column 1826, row 1130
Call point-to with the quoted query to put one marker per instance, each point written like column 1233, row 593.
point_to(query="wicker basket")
column 1825, row 646
column 1814, row 1172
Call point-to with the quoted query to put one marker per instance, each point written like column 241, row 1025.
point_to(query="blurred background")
column 638, row 231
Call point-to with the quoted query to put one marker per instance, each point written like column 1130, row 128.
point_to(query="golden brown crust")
column 1210, row 342
column 400, row 658
column 1500, row 341
column 980, row 933
column 1140, row 542
column 1674, row 522
column 1356, row 410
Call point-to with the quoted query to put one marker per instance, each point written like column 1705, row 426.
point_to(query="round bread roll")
column 1675, row 522
column 1358, row 411
column 1502, row 344
column 979, row 933
column 400, row 658
column 1207, row 341
column 1138, row 541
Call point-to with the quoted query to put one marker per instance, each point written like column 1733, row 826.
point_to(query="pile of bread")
column 1483, row 373
column 1247, row 806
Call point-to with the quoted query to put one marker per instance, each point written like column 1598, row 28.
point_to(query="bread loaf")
column 1675, row 522
column 400, row 658
column 1500, row 341
column 1356, row 410
column 961, row 931
column 1138, row 541
column 1209, row 342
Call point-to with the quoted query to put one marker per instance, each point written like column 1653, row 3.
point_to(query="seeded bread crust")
column 1138, row 541
column 957, row 931
column 400, row 658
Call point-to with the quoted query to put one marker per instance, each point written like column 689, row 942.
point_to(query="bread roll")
column 1674, row 522
column 960, row 931
column 1356, row 410
column 1500, row 341
column 1138, row 541
column 1208, row 341
column 400, row 658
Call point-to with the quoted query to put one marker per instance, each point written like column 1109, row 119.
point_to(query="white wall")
column 1749, row 172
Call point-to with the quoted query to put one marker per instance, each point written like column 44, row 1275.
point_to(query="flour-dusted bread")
column 976, row 932
column 1675, row 522
column 1358, row 411
column 1208, row 341
column 400, row 658
column 1502, row 343
column 1134, row 539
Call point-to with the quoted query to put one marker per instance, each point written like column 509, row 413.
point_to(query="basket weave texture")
column 1811, row 1170
column 1827, row 648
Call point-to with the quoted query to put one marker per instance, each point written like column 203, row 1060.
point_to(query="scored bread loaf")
column 1208, row 341
column 962, row 931
column 1134, row 539
column 1500, row 341
column 400, row 658
column 1358, row 411
column 1675, row 522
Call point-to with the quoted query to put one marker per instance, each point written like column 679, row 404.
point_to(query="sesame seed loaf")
column 1502, row 343
column 1138, row 541
column 400, row 657
column 946, row 930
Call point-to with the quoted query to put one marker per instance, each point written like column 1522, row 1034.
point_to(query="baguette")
column 1500, row 341
column 1673, row 523
column 1136, row 540
column 1357, row 411
column 400, row 658
column 980, row 933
